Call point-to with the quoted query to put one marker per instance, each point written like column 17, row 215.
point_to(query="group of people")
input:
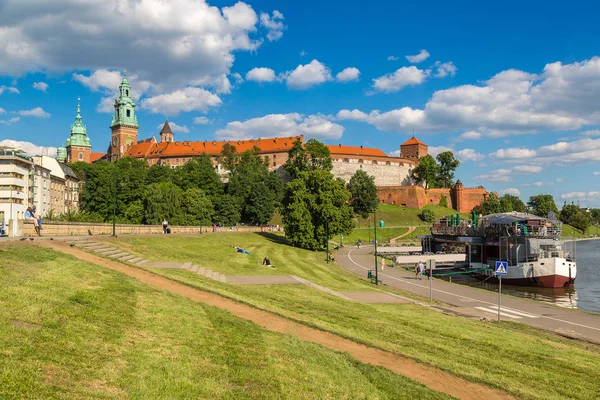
column 31, row 213
column 419, row 269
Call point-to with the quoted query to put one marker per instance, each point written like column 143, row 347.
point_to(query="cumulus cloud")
column 274, row 25
column 405, row 117
column 8, row 89
column 561, row 97
column 395, row 153
column 282, row 125
column 511, row 191
column 10, row 121
column 175, row 127
column 470, row 135
column 305, row 76
column 261, row 75
column 37, row 112
column 469, row 155
column 506, row 174
column 348, row 74
column 41, row 86
column 405, row 76
column 188, row 99
column 202, row 121
column 422, row 56
column 445, row 69
column 580, row 151
column 2, row 110
column 29, row 148
column 596, row 173
column 537, row 184
column 580, row 195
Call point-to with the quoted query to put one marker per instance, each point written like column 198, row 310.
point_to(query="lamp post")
column 327, row 241
column 375, row 245
column 114, row 195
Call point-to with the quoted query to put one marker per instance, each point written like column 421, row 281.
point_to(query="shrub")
column 443, row 201
column 427, row 216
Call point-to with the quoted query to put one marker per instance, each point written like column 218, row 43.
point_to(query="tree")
column 509, row 203
column 364, row 198
column 568, row 212
column 164, row 200
column 542, row 204
column 446, row 168
column 228, row 157
column 198, row 208
column 580, row 221
column 427, row 215
column 443, row 201
column 311, row 201
column 201, row 174
column 227, row 211
column 491, row 205
column 159, row 173
column 313, row 155
column 426, row 172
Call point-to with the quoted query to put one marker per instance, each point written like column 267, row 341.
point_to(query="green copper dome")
column 124, row 106
column 78, row 132
column 61, row 154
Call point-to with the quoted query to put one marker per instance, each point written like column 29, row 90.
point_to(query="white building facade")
column 15, row 171
column 40, row 189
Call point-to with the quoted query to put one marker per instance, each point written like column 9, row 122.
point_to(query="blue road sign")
column 501, row 267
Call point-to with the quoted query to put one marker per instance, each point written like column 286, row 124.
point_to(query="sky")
column 512, row 89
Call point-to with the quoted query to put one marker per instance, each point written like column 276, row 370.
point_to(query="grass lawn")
column 533, row 364
column 69, row 329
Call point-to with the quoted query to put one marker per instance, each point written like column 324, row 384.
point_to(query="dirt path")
column 432, row 377
column 411, row 229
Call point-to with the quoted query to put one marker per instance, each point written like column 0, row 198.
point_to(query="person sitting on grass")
column 266, row 262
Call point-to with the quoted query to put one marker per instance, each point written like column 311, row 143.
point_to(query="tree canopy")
column 509, row 203
column 426, row 172
column 364, row 198
column 313, row 155
column 542, row 204
column 491, row 205
column 447, row 164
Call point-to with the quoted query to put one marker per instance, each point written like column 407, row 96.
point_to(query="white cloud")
column 593, row 132
column 394, row 120
column 596, row 173
column 511, row 191
column 202, row 121
column 537, row 184
column 2, row 110
column 274, row 24
column 560, row 180
column 42, row 86
column 445, row 69
column 562, row 97
column 465, row 155
column 261, row 75
column 470, row 135
column 9, row 89
column 403, row 77
column 175, row 127
column 392, row 58
column 422, row 56
column 37, row 112
column 188, row 99
column 10, row 121
column 581, row 151
column 348, row 74
column 435, row 150
column 29, row 148
column 303, row 53
column 305, row 76
column 395, row 153
column 238, row 78
column 580, row 195
column 506, row 174
column 282, row 125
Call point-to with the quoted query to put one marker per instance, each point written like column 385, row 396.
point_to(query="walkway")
column 479, row 303
column 106, row 250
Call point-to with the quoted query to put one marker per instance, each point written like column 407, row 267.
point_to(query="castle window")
column 387, row 163
column 374, row 162
column 360, row 161
column 80, row 156
column 128, row 113
column 127, row 93
column 274, row 164
column 346, row 160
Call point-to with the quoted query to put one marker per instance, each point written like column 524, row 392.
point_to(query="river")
column 585, row 295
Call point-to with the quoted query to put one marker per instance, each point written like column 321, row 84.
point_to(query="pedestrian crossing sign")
column 501, row 267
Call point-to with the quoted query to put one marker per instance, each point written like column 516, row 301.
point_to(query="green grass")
column 69, row 329
column 533, row 364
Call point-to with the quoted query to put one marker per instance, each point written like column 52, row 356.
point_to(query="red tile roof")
column 412, row 140
column 356, row 151
column 95, row 156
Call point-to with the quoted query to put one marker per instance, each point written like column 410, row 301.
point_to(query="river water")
column 585, row 295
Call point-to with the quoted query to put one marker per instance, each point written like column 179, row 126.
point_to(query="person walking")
column 382, row 263
column 420, row 268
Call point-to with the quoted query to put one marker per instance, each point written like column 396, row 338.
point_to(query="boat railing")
column 453, row 231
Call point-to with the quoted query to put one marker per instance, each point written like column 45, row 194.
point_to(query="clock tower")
column 124, row 124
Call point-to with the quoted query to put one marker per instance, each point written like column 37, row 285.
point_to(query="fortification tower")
column 166, row 134
column 124, row 124
column 413, row 148
column 458, row 195
column 78, row 146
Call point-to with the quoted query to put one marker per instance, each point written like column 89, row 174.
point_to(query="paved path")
column 478, row 302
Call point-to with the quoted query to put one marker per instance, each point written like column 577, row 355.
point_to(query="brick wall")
column 464, row 199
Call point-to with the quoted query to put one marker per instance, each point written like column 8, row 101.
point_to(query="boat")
column 531, row 245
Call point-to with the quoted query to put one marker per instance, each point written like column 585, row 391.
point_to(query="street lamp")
column 115, row 195
column 327, row 241
column 375, row 244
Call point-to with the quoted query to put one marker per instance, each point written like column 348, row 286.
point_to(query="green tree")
column 227, row 211
column 443, row 201
column 426, row 172
column 595, row 214
column 580, row 221
column 97, row 198
column 198, row 208
column 568, row 212
column 313, row 155
column 310, row 200
column 134, row 212
column 159, row 173
column 229, row 157
column 199, row 173
column 446, row 168
column 542, row 204
column 364, row 198
column 509, row 203
column 491, row 205
column 427, row 215
column 164, row 200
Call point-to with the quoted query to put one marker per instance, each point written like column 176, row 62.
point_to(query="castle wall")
column 386, row 171
column 462, row 199
column 471, row 197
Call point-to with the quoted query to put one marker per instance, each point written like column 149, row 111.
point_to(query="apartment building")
column 15, row 169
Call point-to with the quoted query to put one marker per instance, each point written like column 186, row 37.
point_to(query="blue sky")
column 513, row 90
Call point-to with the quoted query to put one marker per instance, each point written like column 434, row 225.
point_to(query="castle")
column 392, row 174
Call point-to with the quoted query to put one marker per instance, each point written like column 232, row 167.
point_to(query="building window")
column 80, row 156
column 128, row 113
column 127, row 93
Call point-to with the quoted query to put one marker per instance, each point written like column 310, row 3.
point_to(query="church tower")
column 166, row 134
column 78, row 146
column 124, row 124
